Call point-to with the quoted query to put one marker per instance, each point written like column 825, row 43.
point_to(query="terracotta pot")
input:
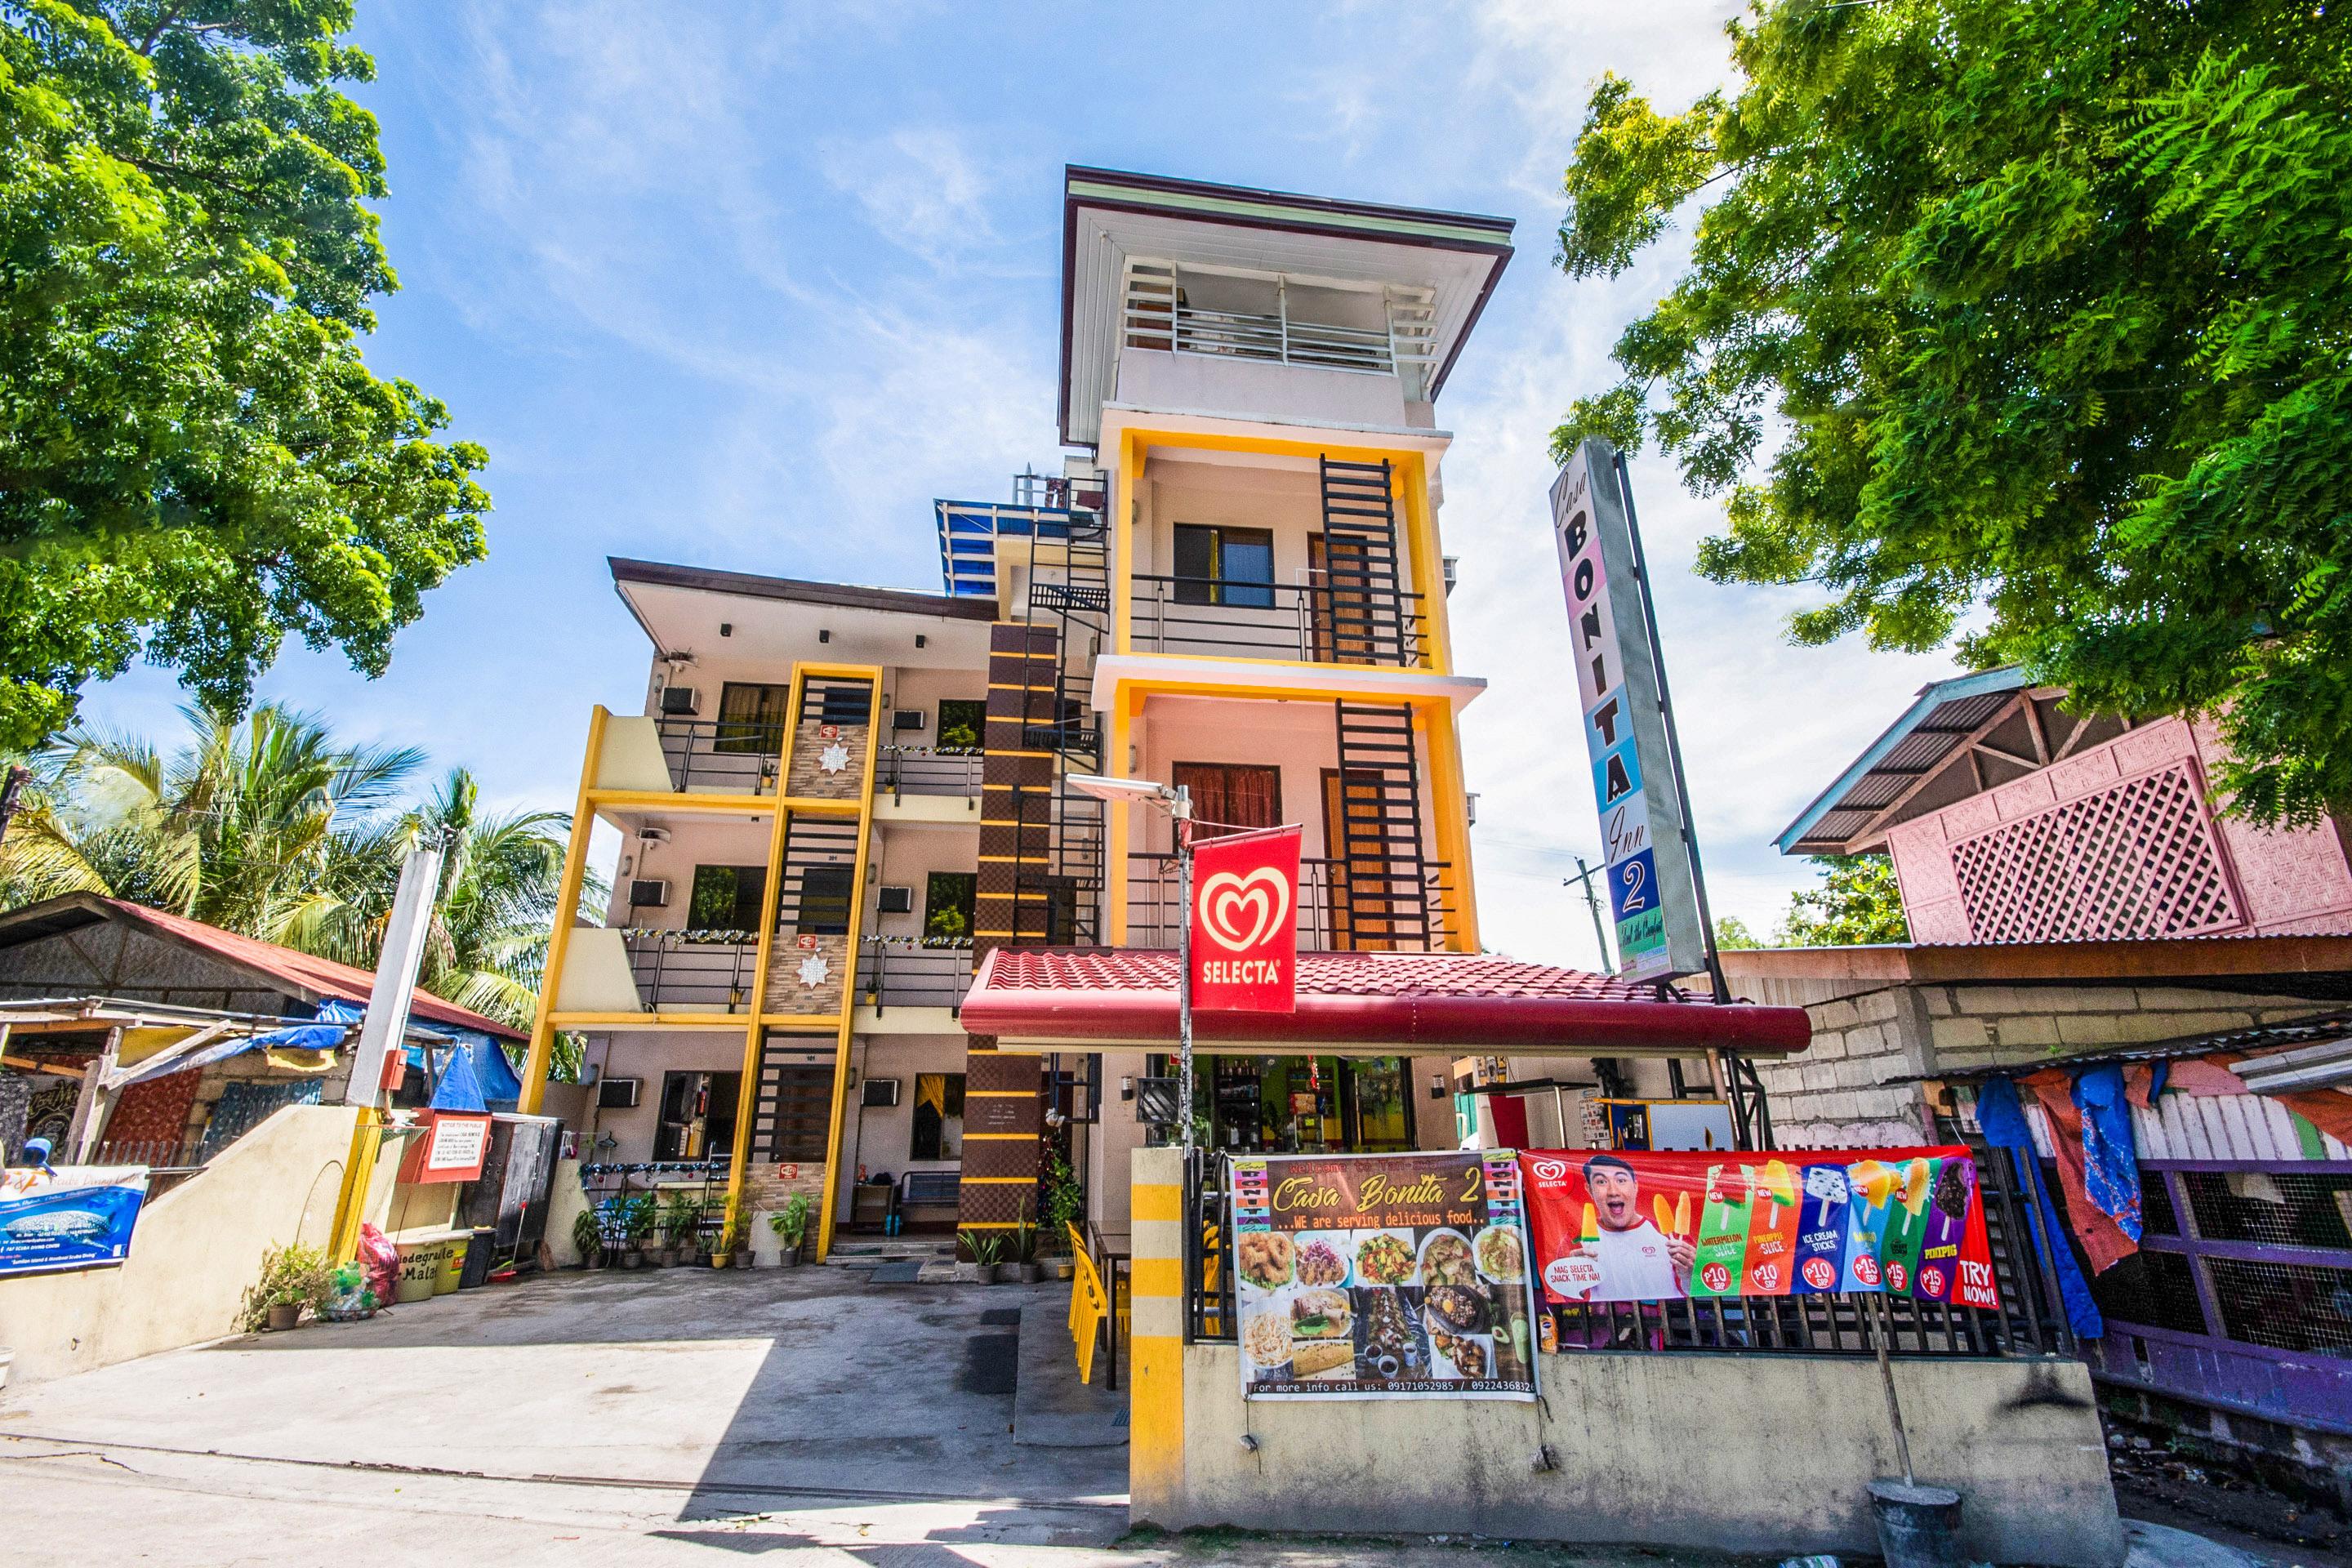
column 284, row 1315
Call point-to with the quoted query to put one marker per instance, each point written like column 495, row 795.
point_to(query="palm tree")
column 269, row 826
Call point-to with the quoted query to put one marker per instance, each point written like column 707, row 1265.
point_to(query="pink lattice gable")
column 2114, row 841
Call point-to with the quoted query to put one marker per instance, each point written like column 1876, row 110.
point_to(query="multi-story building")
column 836, row 797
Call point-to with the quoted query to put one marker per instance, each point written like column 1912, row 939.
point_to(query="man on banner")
column 1245, row 919
column 1630, row 1259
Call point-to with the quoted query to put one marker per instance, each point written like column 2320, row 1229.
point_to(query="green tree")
column 1732, row 933
column 1857, row 903
column 269, row 826
column 2046, row 308
column 195, row 464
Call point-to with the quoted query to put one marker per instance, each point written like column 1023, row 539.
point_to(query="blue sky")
column 719, row 288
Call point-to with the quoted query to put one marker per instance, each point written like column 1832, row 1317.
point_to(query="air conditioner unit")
column 649, row 834
column 680, row 702
column 650, row 893
column 618, row 1093
column 909, row 719
column 881, row 1091
column 898, row 902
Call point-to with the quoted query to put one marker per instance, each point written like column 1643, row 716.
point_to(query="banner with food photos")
column 1639, row 1226
column 1383, row 1277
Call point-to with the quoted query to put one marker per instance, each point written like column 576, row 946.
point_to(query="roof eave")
column 1930, row 697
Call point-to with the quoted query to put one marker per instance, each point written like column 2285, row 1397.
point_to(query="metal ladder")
column 1380, row 890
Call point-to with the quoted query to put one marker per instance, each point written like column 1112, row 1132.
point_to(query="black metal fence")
column 728, row 756
column 697, row 970
column 928, row 770
column 1312, row 623
column 902, row 972
column 2027, row 1322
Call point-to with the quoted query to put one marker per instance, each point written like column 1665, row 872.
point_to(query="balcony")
column 719, row 756
column 1337, row 912
column 928, row 770
column 1310, row 622
column 912, row 972
column 692, row 970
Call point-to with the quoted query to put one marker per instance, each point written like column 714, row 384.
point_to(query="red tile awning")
column 1057, row 998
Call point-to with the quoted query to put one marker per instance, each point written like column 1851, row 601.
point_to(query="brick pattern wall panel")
column 1972, row 816
column 2026, row 796
column 1922, row 863
column 2152, row 746
column 825, row 957
column 1945, row 922
column 2136, row 861
column 813, row 746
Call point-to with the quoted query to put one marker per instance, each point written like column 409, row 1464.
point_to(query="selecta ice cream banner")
column 76, row 1218
column 1636, row 1226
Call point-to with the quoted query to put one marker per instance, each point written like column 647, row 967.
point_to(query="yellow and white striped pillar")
column 1155, row 1449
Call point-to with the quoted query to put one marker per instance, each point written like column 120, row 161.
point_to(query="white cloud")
column 918, row 186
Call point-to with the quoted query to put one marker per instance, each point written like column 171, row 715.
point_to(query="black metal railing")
column 928, row 770
column 721, row 755
column 1829, row 1324
column 1313, row 623
column 1338, row 910
column 697, row 970
column 913, row 972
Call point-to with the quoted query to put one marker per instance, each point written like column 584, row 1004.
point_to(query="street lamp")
column 1178, row 802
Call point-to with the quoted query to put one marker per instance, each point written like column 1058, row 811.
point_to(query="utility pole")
column 12, row 795
column 1583, row 878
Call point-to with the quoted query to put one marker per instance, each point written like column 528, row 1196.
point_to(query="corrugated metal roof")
column 1937, row 722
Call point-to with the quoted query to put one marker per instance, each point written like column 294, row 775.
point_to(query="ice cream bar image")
column 1905, row 1232
column 1681, row 1214
column 1590, row 1230
column 1665, row 1212
column 1823, row 1234
column 1719, row 1263
column 1770, row 1257
column 1870, row 1184
column 1946, row 1228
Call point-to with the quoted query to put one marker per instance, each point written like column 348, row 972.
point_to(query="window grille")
column 2157, row 1288
column 2137, row 860
column 2274, row 1208
column 2286, row 1306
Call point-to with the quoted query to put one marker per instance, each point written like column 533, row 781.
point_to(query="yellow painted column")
column 747, row 1088
column 1115, row 818
column 1428, row 561
column 1155, row 1446
column 1450, row 811
column 850, row 980
column 559, row 935
column 1122, row 566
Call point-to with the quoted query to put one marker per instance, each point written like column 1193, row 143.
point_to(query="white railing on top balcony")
column 1158, row 315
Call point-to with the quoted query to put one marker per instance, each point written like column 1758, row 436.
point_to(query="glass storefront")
column 1300, row 1105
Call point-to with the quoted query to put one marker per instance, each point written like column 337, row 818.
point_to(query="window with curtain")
column 1228, row 797
column 1231, row 567
column 752, row 718
column 938, row 1117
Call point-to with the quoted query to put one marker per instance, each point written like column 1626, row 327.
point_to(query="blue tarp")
column 2110, row 1151
column 494, row 1074
column 325, row 1034
column 2004, row 1121
column 458, row 1090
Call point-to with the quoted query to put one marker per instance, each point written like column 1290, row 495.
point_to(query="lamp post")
column 1178, row 801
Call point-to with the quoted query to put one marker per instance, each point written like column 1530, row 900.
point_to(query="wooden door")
column 1359, row 898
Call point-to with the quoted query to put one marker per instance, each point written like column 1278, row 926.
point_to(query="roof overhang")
column 777, row 619
column 1108, row 216
column 1366, row 1004
column 1938, row 722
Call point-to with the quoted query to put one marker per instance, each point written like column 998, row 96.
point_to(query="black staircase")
column 1380, row 892
column 1360, row 613
column 1058, row 895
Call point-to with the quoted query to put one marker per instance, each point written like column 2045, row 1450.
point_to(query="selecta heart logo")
column 1548, row 1170
column 1241, row 910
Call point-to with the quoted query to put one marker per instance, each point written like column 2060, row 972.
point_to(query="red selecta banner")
column 1245, row 922
column 1635, row 1226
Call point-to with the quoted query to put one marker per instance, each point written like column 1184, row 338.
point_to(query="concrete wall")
column 195, row 1250
column 1207, row 384
column 1844, row 1090
column 1765, row 1453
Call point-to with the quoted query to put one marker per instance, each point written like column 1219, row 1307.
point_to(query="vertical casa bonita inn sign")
column 1650, row 893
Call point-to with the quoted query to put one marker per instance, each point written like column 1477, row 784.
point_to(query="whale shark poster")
column 80, row 1217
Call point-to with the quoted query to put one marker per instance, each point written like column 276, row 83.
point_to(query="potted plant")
column 637, row 1224
column 730, row 1242
column 292, row 1278
column 1065, row 1204
column 588, row 1240
column 679, row 1213
column 1024, row 1264
column 789, row 1223
column 983, row 1250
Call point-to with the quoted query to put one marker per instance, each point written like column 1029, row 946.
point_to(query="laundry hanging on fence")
column 2103, row 1242
column 2110, row 1151
column 2003, row 1118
